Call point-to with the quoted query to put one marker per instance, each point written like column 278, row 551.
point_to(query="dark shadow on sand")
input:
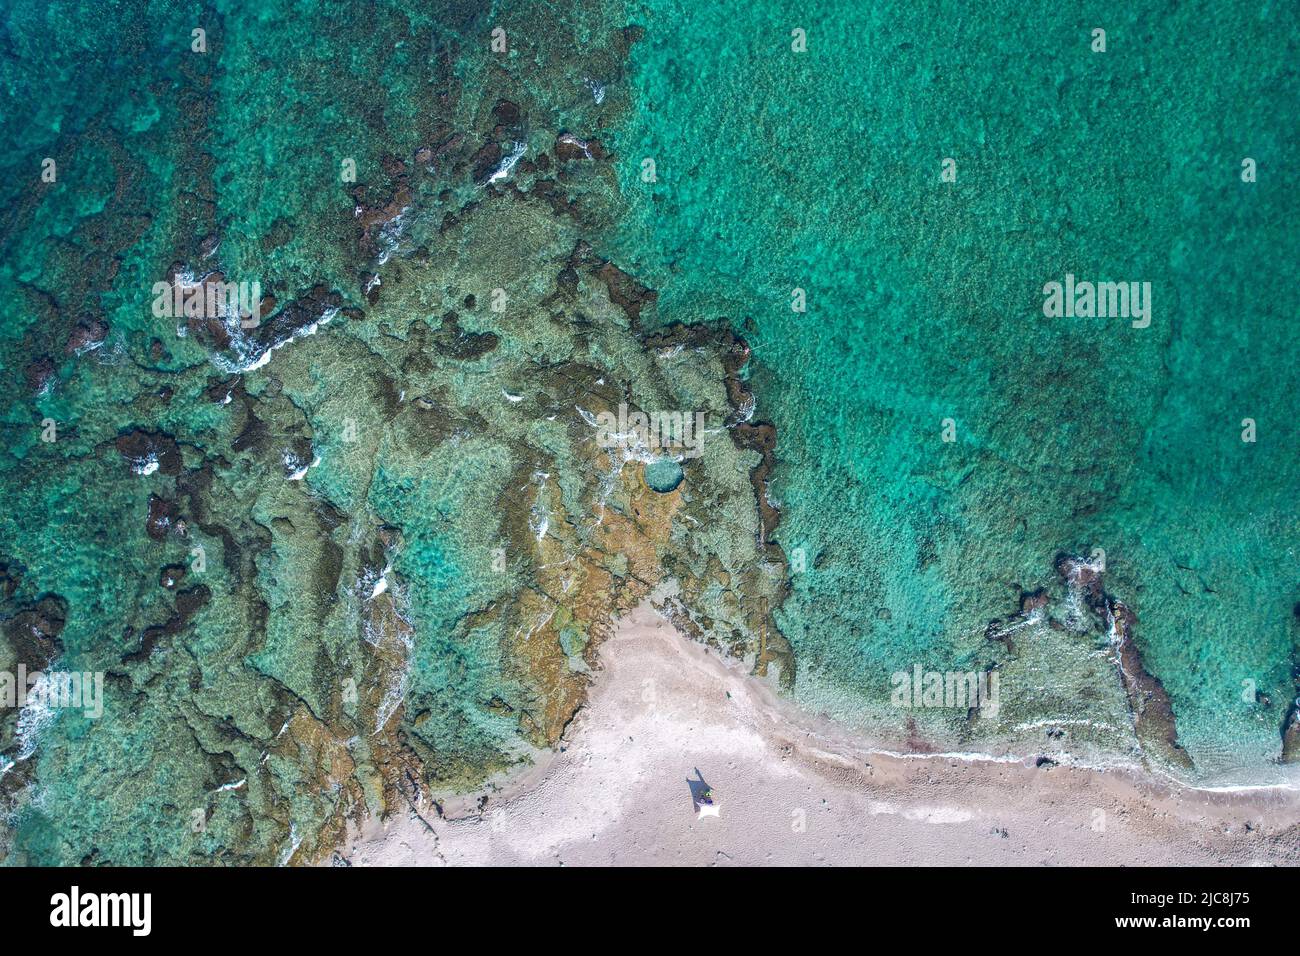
column 698, row 788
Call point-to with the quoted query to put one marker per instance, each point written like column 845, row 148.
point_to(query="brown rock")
column 626, row 292
column 172, row 575
column 486, row 161
column 506, row 113
column 158, row 521
column 39, row 374
column 34, row 631
column 1152, row 711
column 569, row 148
column 86, row 334
column 139, row 448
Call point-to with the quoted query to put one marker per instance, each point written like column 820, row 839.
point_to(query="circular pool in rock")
column 663, row 475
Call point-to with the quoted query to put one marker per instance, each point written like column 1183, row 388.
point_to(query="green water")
column 822, row 171
column 366, row 613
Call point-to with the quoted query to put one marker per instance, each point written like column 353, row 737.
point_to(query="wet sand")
column 793, row 789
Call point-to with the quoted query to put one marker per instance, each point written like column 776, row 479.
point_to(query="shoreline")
column 796, row 789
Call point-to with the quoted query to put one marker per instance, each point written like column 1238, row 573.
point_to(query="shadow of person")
column 701, row 792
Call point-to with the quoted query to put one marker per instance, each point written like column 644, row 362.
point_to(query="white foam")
column 243, row 345
column 508, row 162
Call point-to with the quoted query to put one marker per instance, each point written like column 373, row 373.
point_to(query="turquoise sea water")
column 822, row 171
column 362, row 627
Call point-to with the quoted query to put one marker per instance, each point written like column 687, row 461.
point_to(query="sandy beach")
column 792, row 789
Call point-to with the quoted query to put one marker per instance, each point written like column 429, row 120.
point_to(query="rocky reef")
column 1082, row 611
column 362, row 551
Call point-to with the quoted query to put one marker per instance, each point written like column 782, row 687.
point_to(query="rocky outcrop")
column 1149, row 704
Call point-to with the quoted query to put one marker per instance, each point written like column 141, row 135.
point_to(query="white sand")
column 793, row 790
